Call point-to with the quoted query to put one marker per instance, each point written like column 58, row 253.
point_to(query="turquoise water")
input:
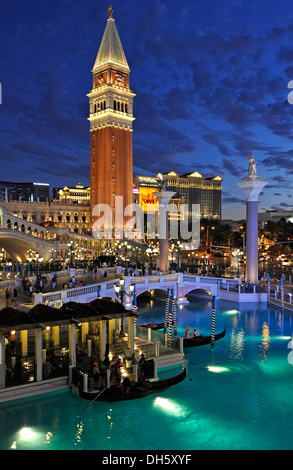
column 237, row 395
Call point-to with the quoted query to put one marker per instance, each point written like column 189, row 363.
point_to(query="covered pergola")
column 41, row 325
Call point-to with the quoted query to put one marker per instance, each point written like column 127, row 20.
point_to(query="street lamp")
column 121, row 292
column 71, row 254
column 178, row 255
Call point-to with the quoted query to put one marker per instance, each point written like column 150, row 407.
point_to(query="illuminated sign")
column 147, row 200
column 147, row 181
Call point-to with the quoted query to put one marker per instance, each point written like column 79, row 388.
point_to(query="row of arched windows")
column 120, row 106
column 99, row 106
column 47, row 235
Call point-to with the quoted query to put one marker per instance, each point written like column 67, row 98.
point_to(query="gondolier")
column 200, row 340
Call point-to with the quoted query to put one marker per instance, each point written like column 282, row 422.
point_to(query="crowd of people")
column 98, row 373
column 36, row 286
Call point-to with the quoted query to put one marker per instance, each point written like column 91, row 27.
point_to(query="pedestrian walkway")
column 24, row 302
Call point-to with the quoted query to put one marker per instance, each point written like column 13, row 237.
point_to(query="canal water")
column 237, row 395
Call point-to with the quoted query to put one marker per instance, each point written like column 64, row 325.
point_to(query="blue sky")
column 210, row 77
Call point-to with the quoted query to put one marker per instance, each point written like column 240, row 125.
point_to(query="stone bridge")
column 180, row 283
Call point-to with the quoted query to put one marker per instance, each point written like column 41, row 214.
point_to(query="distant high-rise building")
column 111, row 118
column 195, row 189
column 24, row 191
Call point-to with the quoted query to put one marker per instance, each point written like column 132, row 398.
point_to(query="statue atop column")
column 252, row 166
column 252, row 185
column 252, row 170
column 163, row 185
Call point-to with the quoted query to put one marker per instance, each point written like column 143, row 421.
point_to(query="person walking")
column 14, row 294
column 7, row 296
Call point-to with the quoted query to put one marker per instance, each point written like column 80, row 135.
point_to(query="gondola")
column 153, row 325
column 141, row 389
column 201, row 340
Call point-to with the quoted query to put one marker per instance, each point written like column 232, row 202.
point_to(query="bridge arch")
column 200, row 292
column 144, row 289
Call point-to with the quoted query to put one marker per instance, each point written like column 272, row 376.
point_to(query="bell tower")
column 111, row 118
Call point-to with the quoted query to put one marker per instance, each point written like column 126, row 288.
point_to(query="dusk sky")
column 210, row 77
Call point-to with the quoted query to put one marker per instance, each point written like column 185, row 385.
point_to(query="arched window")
column 115, row 105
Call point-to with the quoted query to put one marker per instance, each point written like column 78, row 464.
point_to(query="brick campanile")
column 111, row 118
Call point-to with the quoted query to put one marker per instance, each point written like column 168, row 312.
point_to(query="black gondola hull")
column 140, row 390
column 152, row 325
column 201, row 340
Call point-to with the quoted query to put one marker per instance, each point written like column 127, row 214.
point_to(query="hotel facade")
column 191, row 189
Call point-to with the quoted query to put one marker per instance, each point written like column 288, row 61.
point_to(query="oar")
column 94, row 399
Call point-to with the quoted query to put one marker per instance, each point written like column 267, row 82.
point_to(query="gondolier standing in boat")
column 195, row 332
column 187, row 331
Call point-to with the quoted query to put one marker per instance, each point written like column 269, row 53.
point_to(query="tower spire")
column 111, row 49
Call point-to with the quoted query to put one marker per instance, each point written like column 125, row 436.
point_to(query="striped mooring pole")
column 282, row 293
column 170, row 322
column 269, row 289
column 213, row 321
column 134, row 309
column 134, row 302
column 174, row 313
column 167, row 310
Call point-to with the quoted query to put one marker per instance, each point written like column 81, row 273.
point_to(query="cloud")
column 233, row 200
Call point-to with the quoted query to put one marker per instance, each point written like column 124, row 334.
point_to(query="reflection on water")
column 237, row 343
column 237, row 395
column 264, row 346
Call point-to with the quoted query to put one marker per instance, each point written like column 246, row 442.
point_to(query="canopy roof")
column 42, row 315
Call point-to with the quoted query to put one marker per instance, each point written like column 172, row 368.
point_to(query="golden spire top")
column 110, row 12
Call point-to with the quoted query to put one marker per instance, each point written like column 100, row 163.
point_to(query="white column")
column 131, row 334
column 252, row 186
column 164, row 198
column 72, row 344
column 24, row 341
column 55, row 336
column 38, row 355
column 103, row 338
column 2, row 361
